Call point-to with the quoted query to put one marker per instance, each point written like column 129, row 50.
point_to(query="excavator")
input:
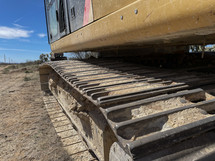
column 145, row 95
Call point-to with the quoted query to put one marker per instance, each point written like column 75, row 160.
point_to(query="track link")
column 148, row 109
column 71, row 141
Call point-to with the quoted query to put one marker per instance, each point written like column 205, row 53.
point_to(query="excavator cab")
column 63, row 17
column 57, row 20
column 86, row 25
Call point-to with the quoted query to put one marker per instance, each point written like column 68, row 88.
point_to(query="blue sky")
column 23, row 34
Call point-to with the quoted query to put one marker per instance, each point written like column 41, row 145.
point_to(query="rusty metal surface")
column 141, row 135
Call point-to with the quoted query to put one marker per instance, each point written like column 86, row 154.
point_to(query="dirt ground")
column 26, row 132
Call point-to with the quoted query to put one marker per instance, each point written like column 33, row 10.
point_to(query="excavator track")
column 71, row 141
column 136, row 112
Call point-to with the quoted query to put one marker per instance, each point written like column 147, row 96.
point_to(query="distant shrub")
column 44, row 58
column 27, row 78
column 5, row 71
column 28, row 71
column 12, row 67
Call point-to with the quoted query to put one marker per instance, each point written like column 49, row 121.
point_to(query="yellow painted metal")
column 145, row 21
column 102, row 8
column 91, row 12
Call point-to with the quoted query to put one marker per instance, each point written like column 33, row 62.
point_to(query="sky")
column 23, row 33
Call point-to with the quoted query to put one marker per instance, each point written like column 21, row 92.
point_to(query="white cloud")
column 18, row 26
column 18, row 19
column 42, row 35
column 13, row 33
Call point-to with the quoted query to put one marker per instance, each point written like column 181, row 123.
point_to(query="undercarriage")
column 125, row 111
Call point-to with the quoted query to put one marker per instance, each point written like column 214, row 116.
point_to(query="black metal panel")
column 76, row 14
column 57, row 19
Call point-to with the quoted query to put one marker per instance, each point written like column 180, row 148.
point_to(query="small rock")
column 3, row 136
column 183, row 100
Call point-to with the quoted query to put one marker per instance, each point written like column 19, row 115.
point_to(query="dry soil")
column 26, row 132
